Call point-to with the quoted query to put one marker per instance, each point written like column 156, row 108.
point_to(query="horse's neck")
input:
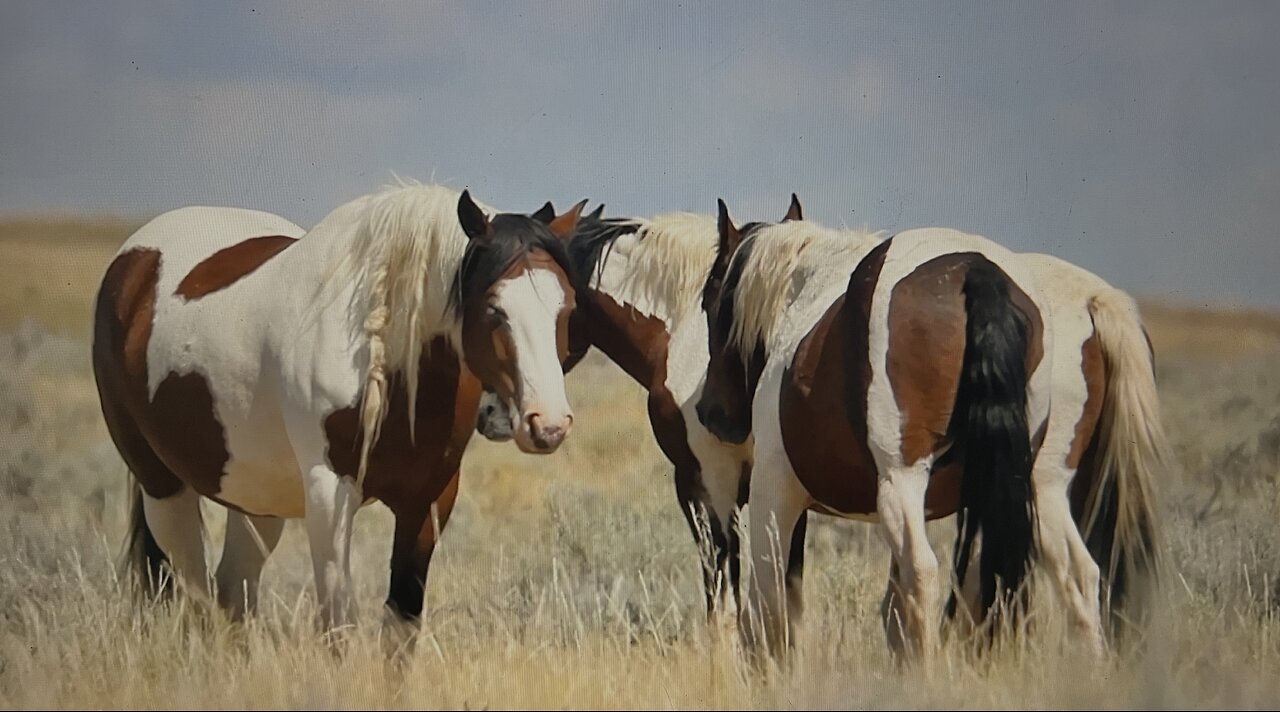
column 614, row 278
column 306, row 276
column 317, row 293
column 634, row 329
column 635, row 341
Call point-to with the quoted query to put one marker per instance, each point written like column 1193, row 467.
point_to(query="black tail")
column 989, row 428
column 145, row 563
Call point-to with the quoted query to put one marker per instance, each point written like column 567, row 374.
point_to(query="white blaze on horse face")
column 532, row 302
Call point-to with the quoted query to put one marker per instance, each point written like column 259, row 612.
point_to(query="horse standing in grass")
column 1104, row 426
column 290, row 375
column 1095, row 473
column 641, row 305
column 891, row 380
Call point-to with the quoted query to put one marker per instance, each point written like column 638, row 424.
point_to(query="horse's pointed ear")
column 730, row 238
column 597, row 213
column 474, row 222
column 545, row 214
column 563, row 226
column 793, row 211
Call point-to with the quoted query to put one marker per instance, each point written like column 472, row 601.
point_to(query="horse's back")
column 932, row 254
column 917, row 247
column 212, row 225
column 1062, row 282
column 204, row 309
column 187, row 236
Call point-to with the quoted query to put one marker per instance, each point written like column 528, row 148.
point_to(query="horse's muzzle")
column 541, row 435
column 718, row 423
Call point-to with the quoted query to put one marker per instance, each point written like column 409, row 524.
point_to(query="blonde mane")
column 404, row 253
column 669, row 262
column 779, row 260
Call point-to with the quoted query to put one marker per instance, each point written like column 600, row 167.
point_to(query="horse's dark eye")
column 495, row 312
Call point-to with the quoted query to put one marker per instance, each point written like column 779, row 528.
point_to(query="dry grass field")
column 570, row 581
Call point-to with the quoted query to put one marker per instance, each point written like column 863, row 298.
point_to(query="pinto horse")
column 891, row 380
column 640, row 305
column 1102, row 452
column 291, row 375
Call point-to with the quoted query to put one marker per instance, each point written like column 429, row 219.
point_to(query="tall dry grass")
column 571, row 581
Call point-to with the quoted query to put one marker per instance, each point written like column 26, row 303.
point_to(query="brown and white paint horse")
column 889, row 380
column 291, row 375
column 1095, row 473
column 641, row 306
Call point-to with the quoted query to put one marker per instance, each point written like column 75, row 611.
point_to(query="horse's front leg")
column 332, row 501
column 710, row 481
column 418, row 527
column 708, row 536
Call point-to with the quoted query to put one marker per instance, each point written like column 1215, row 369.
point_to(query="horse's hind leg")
column 1066, row 557
column 900, row 504
column 250, row 540
column 177, row 526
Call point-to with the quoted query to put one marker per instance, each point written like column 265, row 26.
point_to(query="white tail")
column 1121, row 522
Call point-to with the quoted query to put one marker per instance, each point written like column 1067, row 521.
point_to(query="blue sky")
column 1139, row 140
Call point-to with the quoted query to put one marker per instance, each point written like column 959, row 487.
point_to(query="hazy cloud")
column 1139, row 140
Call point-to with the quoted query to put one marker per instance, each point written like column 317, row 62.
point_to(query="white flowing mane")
column 780, row 259
column 669, row 262
column 404, row 253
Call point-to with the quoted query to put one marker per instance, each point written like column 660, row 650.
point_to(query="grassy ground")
column 570, row 580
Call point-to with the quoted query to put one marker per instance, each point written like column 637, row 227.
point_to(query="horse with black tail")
column 888, row 380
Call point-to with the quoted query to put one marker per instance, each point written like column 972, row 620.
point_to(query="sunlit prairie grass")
column 571, row 580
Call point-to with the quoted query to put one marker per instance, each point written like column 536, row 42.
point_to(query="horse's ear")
column 563, row 226
column 474, row 222
column 730, row 238
column 545, row 214
column 793, row 211
column 597, row 213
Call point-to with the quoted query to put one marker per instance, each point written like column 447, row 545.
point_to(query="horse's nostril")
column 548, row 438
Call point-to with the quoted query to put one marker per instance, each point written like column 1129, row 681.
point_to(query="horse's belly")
column 856, row 498
column 261, row 475
column 263, row 487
